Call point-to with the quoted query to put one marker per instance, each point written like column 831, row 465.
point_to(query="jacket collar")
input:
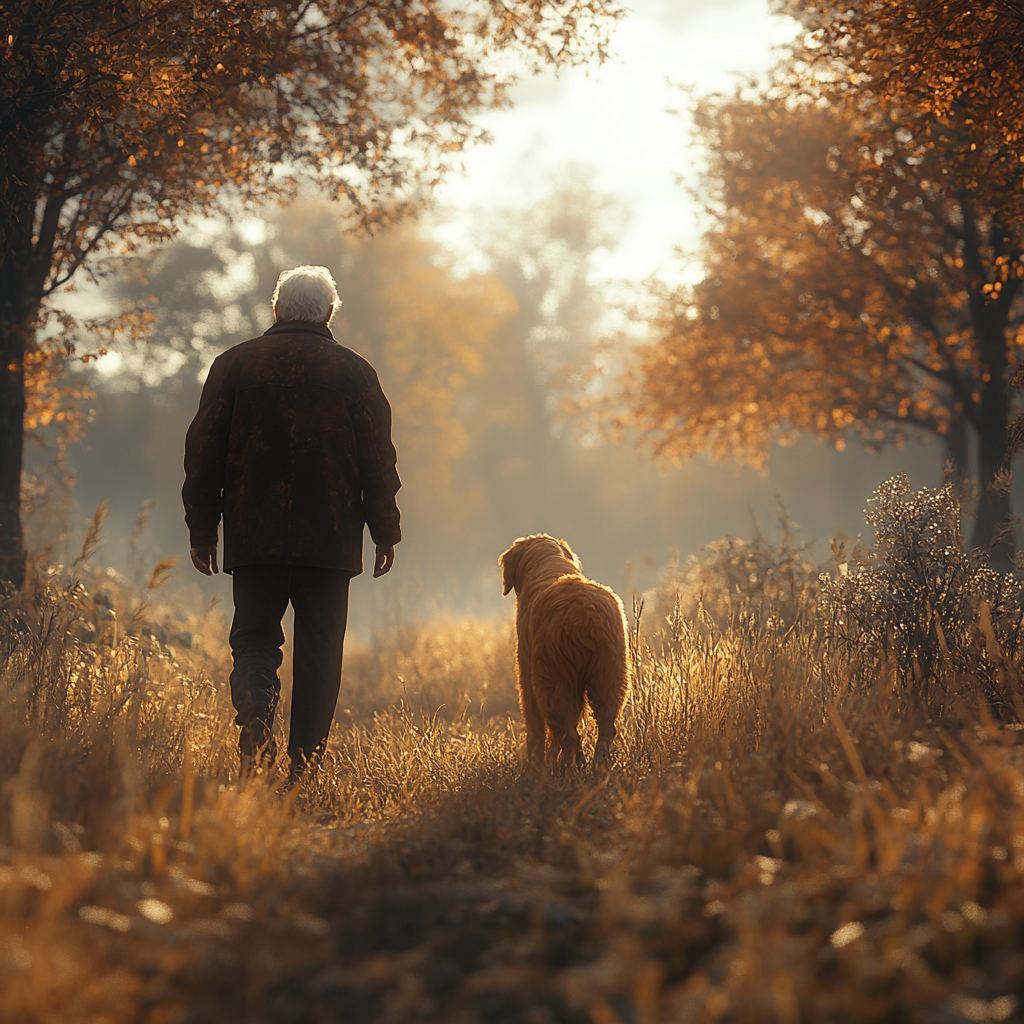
column 300, row 327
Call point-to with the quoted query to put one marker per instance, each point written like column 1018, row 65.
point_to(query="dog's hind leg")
column 606, row 693
column 566, row 749
column 572, row 747
column 561, row 702
column 606, row 733
column 536, row 731
column 566, row 745
column 557, row 733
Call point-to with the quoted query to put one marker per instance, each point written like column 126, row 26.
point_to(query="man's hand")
column 204, row 558
column 384, row 559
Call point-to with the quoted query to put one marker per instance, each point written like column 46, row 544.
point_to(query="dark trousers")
column 320, row 600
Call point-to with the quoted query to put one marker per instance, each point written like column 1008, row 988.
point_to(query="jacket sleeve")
column 206, row 450
column 378, row 472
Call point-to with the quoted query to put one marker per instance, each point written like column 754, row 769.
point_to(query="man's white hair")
column 306, row 293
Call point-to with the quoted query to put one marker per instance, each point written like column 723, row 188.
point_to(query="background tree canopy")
column 116, row 119
column 862, row 276
column 952, row 68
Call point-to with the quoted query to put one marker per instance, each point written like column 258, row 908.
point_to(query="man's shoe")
column 257, row 749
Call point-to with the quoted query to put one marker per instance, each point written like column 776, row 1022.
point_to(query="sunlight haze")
column 623, row 120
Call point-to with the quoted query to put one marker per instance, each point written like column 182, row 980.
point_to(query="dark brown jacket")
column 292, row 443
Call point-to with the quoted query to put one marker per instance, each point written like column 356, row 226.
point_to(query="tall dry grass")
column 787, row 835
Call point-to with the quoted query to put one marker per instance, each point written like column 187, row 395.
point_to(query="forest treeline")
column 864, row 259
column 861, row 268
column 119, row 120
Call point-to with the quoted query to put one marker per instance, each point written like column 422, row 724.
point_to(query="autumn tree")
column 119, row 118
column 848, row 294
column 953, row 67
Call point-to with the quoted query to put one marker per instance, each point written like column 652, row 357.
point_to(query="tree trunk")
column 12, row 435
column 990, row 320
column 956, row 468
column 21, row 282
column 993, row 527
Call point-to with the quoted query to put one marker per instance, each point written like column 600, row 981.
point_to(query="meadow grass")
column 791, row 832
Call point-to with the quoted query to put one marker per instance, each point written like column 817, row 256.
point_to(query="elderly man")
column 292, row 444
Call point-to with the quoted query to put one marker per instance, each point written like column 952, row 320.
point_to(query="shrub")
column 918, row 598
column 730, row 574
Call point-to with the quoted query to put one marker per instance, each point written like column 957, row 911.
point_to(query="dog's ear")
column 509, row 562
column 571, row 555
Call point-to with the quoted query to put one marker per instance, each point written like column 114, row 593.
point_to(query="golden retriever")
column 572, row 643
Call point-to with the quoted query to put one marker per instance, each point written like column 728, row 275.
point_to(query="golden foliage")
column 51, row 399
column 850, row 291
column 833, row 304
column 950, row 68
column 119, row 120
column 132, row 113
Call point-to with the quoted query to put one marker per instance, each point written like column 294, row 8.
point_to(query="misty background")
column 477, row 367
column 480, row 319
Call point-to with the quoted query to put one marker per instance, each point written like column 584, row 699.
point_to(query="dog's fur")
column 572, row 643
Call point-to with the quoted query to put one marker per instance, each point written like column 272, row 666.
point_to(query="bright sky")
column 616, row 120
